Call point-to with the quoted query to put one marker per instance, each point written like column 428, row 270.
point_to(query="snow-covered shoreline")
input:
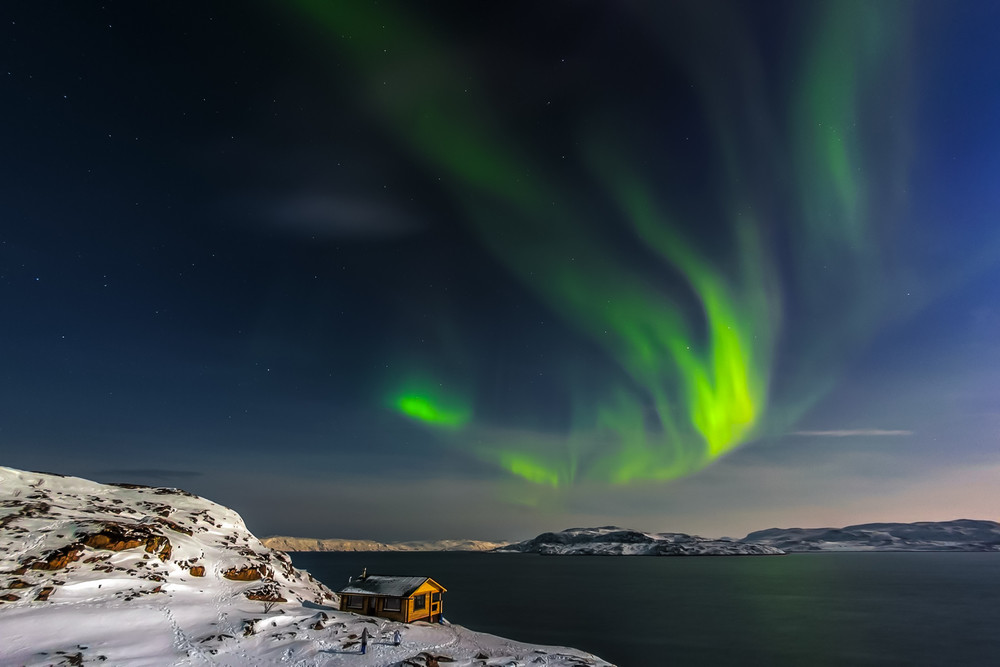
column 101, row 574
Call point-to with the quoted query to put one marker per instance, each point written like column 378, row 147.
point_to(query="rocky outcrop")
column 247, row 573
column 59, row 558
column 151, row 536
column 269, row 592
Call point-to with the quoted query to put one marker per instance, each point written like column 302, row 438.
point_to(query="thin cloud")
column 848, row 433
column 326, row 215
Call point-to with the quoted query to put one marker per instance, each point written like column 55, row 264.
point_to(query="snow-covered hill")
column 959, row 535
column 127, row 575
column 615, row 541
column 335, row 544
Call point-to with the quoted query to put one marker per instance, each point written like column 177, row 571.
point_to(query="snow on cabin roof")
column 381, row 584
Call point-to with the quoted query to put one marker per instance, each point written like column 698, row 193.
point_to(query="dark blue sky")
column 232, row 237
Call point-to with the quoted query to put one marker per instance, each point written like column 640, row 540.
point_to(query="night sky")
column 401, row 270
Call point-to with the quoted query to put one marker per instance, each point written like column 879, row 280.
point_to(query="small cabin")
column 405, row 599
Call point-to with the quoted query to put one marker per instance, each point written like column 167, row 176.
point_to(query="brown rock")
column 120, row 536
column 197, row 571
column 264, row 595
column 155, row 542
column 19, row 583
column 112, row 541
column 246, row 573
column 10, row 597
column 59, row 558
column 44, row 594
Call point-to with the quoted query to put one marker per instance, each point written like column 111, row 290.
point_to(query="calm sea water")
column 800, row 609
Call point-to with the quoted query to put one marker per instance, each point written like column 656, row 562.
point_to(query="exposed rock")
column 250, row 627
column 113, row 543
column 44, row 594
column 172, row 525
column 197, row 571
column 25, row 511
column 269, row 592
column 60, row 558
column 246, row 573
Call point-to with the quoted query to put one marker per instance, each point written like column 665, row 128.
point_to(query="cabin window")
column 355, row 602
column 435, row 597
column 420, row 603
column 391, row 604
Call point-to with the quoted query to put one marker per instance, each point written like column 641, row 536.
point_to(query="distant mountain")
column 959, row 535
column 313, row 544
column 615, row 541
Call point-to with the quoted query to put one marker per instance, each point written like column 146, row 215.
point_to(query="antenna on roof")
column 364, row 573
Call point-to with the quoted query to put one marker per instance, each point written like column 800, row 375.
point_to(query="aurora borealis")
column 692, row 380
column 563, row 262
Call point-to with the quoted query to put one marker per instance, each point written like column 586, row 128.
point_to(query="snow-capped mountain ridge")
column 616, row 541
column 957, row 535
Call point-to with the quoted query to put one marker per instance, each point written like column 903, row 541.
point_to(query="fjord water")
column 800, row 609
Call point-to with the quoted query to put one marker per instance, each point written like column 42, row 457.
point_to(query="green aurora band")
column 427, row 402
column 695, row 381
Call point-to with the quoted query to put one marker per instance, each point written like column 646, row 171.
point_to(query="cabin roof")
column 383, row 584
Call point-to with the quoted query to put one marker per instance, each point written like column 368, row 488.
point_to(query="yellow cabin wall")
column 372, row 605
column 426, row 589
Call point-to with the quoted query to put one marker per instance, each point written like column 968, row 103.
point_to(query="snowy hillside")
column 333, row 544
column 959, row 535
column 126, row 575
column 614, row 541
